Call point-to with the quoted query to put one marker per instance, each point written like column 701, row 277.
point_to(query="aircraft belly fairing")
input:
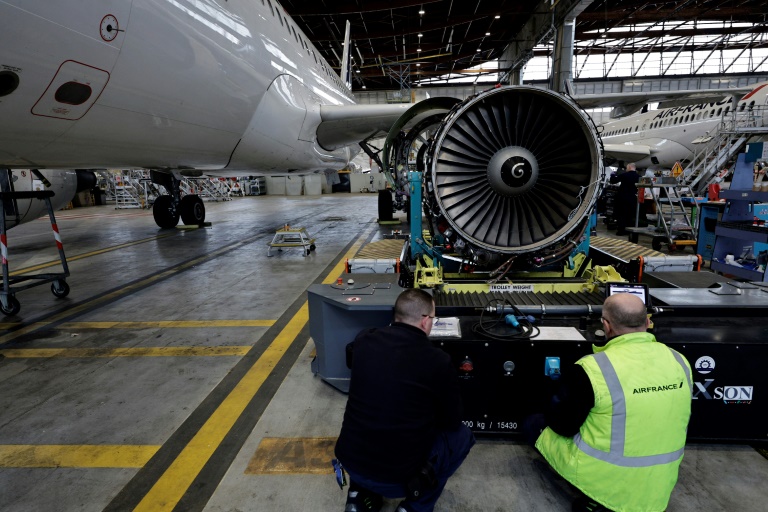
column 277, row 136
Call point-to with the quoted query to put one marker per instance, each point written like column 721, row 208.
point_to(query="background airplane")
column 656, row 139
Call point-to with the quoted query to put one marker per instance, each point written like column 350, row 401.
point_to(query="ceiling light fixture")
column 418, row 64
column 487, row 33
column 418, row 49
column 421, row 35
column 421, row 11
column 496, row 17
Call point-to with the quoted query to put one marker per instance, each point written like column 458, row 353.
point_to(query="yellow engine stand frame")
column 431, row 276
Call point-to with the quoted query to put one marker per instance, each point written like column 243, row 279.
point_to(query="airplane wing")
column 628, row 103
column 348, row 124
column 626, row 152
column 351, row 124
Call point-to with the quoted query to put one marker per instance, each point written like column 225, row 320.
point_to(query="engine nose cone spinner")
column 515, row 170
column 512, row 171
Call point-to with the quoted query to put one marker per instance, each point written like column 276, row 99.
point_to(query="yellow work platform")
column 292, row 237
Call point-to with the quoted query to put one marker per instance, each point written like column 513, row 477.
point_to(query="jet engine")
column 511, row 176
column 65, row 183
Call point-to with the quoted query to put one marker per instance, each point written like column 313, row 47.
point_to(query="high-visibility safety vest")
column 627, row 453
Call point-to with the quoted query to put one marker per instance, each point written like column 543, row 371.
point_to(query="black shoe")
column 585, row 504
column 362, row 500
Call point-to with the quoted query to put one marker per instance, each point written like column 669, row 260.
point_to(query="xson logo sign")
column 728, row 394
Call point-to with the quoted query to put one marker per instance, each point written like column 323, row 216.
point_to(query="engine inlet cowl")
column 513, row 170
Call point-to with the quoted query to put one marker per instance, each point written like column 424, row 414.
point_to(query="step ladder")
column 673, row 224
column 134, row 189
column 718, row 151
column 205, row 188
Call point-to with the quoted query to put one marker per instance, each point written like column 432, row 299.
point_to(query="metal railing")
column 718, row 152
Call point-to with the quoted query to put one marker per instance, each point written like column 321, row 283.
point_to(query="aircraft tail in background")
column 346, row 68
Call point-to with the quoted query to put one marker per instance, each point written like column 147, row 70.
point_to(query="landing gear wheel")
column 192, row 210
column 60, row 288
column 165, row 213
column 13, row 306
column 312, row 247
column 385, row 205
column 656, row 242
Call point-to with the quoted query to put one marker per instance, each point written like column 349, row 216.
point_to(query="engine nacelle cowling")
column 513, row 174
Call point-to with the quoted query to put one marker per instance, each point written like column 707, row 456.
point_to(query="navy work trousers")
column 448, row 452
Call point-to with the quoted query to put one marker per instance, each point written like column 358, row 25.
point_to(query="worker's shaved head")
column 412, row 305
column 626, row 313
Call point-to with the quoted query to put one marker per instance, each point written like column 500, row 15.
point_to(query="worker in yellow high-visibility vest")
column 617, row 431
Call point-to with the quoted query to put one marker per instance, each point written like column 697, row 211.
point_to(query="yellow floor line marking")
column 172, row 485
column 179, row 476
column 124, row 291
column 293, row 456
column 163, row 324
column 75, row 456
column 167, row 324
column 87, row 254
column 26, row 353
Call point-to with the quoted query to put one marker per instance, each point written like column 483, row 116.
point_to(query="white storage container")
column 313, row 184
column 293, row 185
column 276, row 185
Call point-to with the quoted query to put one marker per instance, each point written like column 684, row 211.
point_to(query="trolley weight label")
column 512, row 288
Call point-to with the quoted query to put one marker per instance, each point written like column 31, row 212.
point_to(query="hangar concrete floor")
column 176, row 375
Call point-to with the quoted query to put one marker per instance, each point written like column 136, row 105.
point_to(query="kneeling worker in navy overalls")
column 402, row 435
column 617, row 429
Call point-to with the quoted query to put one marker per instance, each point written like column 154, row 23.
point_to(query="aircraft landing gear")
column 169, row 208
column 192, row 210
column 165, row 212
column 385, row 205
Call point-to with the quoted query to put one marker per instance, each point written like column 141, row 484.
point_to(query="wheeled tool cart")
column 292, row 237
column 9, row 304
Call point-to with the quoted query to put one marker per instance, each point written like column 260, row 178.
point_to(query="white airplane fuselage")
column 162, row 84
column 672, row 134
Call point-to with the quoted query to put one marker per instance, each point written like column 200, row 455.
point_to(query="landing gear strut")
column 169, row 208
column 165, row 212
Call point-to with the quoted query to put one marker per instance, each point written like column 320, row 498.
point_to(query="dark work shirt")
column 627, row 182
column 570, row 407
column 403, row 391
